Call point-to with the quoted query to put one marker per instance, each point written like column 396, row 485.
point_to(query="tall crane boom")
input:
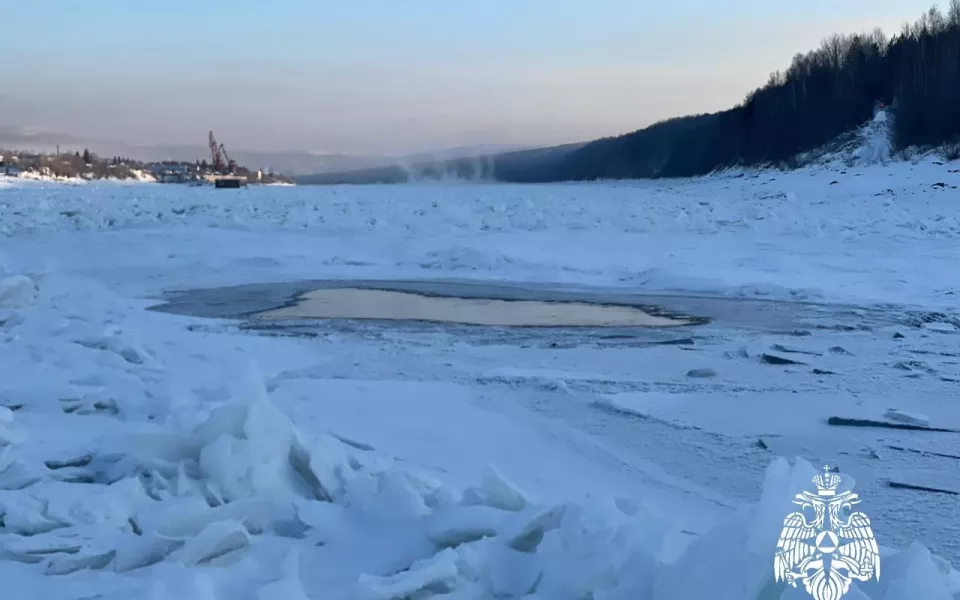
column 230, row 163
column 222, row 163
column 218, row 162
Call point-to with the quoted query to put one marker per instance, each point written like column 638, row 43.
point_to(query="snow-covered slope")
column 154, row 456
column 875, row 141
column 871, row 144
column 48, row 177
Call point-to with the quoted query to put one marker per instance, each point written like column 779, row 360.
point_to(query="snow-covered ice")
column 151, row 455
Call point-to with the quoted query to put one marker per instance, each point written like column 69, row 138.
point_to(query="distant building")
column 172, row 173
column 11, row 170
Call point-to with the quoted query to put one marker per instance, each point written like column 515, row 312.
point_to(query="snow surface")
column 46, row 176
column 147, row 455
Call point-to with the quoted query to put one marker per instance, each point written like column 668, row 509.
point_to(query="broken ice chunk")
column 901, row 416
column 215, row 541
column 438, row 571
column 494, row 490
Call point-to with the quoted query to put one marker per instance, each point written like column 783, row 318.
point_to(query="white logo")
column 830, row 550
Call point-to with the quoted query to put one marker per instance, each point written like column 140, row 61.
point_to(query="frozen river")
column 378, row 392
column 730, row 381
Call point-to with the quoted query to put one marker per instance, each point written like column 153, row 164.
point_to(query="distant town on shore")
column 87, row 165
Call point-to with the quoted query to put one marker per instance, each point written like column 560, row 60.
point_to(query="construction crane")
column 231, row 164
column 217, row 163
column 221, row 160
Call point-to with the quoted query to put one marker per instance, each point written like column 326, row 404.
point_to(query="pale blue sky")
column 385, row 76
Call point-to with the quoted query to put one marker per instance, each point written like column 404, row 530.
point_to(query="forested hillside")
column 822, row 95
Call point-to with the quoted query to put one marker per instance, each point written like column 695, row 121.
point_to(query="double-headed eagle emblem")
column 827, row 551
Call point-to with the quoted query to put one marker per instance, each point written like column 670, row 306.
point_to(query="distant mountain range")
column 287, row 162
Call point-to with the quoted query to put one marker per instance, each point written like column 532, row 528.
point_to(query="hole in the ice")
column 374, row 304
